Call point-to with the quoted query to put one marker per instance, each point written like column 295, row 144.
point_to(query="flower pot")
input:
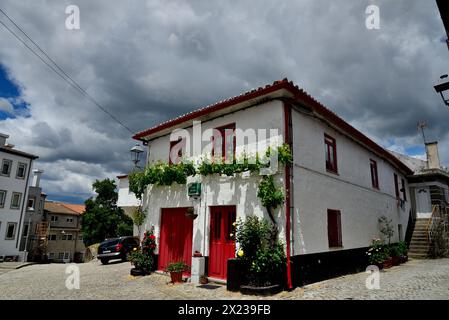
column 387, row 263
column 404, row 259
column 396, row 260
column 203, row 280
column 137, row 272
column 176, row 277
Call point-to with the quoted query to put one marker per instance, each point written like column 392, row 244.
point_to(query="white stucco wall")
column 126, row 199
column 12, row 184
column 351, row 191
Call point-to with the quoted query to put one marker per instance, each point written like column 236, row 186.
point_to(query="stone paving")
column 417, row 279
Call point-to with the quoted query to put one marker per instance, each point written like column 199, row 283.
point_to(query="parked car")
column 116, row 248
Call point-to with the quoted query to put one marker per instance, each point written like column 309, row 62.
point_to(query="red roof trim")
column 300, row 95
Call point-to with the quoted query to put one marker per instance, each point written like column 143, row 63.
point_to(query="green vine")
column 164, row 174
column 270, row 196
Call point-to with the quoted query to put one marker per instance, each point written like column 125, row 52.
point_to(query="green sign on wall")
column 194, row 189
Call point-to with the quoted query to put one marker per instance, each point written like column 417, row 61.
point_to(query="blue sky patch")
column 11, row 92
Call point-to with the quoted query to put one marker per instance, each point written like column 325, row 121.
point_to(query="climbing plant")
column 270, row 195
column 164, row 174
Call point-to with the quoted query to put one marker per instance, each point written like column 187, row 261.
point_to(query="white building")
column 14, row 178
column 338, row 186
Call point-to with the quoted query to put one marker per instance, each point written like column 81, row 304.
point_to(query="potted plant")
column 142, row 263
column 402, row 251
column 143, row 258
column 378, row 255
column 176, row 269
column 261, row 256
column 395, row 254
column 203, row 280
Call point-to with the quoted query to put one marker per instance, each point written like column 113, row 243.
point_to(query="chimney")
column 37, row 177
column 3, row 138
column 433, row 159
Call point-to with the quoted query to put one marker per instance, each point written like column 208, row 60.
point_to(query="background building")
column 64, row 236
column 14, row 179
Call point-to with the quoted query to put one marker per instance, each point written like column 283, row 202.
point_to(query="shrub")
column 378, row 252
column 260, row 250
column 143, row 258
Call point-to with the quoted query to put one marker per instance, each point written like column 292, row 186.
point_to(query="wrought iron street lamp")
column 135, row 154
column 441, row 88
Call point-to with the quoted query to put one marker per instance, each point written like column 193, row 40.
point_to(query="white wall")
column 12, row 184
column 351, row 191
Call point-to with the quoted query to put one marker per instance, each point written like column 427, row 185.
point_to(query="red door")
column 176, row 237
column 222, row 247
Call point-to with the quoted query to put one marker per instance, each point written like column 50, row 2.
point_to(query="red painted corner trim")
column 287, row 112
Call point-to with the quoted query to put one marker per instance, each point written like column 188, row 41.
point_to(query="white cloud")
column 6, row 106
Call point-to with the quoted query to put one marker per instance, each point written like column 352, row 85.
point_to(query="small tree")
column 102, row 218
column 139, row 216
column 386, row 228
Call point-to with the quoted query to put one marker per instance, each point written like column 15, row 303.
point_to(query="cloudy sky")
column 147, row 61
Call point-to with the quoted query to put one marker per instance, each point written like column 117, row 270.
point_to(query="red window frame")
column 334, row 228
column 172, row 144
column 224, row 140
column 396, row 185
column 330, row 145
column 374, row 174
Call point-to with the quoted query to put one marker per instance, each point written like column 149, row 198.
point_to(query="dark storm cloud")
column 147, row 61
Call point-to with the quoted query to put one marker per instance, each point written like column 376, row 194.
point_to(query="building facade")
column 34, row 215
column 14, row 178
column 339, row 184
column 64, row 236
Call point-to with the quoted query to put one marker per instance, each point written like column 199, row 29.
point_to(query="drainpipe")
column 287, row 139
column 24, row 202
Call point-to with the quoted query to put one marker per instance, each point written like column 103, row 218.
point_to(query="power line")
column 61, row 73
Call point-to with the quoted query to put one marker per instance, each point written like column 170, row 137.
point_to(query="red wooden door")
column 176, row 237
column 222, row 246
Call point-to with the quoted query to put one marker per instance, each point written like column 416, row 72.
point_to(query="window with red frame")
column 334, row 228
column 331, row 153
column 374, row 175
column 223, row 142
column 177, row 157
column 396, row 186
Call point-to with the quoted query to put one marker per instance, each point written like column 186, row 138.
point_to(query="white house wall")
column 12, row 184
column 351, row 191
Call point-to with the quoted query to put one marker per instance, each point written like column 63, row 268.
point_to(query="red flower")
column 152, row 237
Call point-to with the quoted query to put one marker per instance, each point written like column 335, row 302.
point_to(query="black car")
column 117, row 248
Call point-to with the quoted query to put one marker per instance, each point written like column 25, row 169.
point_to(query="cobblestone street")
column 417, row 279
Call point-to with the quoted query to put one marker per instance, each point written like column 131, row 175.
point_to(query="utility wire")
column 61, row 73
